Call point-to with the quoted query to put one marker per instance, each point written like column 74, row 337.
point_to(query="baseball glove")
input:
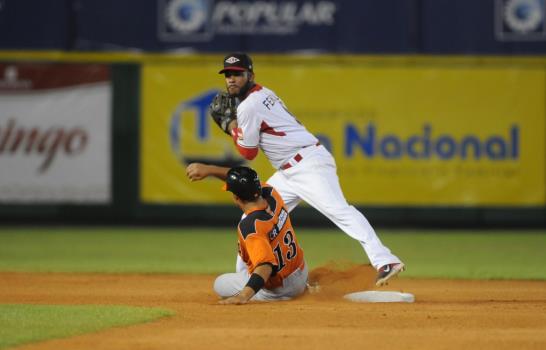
column 223, row 110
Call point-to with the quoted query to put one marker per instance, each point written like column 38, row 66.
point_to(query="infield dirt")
column 447, row 314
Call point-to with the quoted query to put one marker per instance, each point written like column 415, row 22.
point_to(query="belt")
column 297, row 158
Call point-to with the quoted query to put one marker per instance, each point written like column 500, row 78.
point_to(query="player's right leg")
column 317, row 183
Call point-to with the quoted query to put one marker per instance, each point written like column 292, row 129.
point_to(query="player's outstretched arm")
column 199, row 171
column 262, row 271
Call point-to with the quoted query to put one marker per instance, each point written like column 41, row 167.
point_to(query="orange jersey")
column 266, row 237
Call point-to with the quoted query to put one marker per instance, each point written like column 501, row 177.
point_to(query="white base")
column 380, row 297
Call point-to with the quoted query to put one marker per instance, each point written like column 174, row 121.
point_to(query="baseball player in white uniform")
column 305, row 169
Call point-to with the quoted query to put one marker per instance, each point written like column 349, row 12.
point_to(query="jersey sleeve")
column 249, row 127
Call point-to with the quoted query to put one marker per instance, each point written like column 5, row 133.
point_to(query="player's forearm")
column 199, row 171
column 264, row 271
column 257, row 280
column 217, row 171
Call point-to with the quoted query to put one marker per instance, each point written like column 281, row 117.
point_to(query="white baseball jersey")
column 264, row 122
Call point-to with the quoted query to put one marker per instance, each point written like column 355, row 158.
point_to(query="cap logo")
column 232, row 60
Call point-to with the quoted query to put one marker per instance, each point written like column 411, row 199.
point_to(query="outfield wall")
column 418, row 140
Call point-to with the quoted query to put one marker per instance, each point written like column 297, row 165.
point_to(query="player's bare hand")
column 197, row 171
column 234, row 300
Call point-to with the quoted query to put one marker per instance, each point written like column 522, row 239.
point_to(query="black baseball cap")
column 243, row 182
column 237, row 61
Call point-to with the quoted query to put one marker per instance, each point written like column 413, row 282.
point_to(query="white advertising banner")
column 55, row 143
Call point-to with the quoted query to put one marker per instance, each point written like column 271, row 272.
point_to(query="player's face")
column 236, row 80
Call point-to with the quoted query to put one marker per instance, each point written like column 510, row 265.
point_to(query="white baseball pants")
column 230, row 284
column 314, row 179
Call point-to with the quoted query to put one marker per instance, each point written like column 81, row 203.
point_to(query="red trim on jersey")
column 256, row 87
column 269, row 130
column 248, row 153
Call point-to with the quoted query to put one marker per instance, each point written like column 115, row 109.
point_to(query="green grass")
column 20, row 324
column 116, row 250
column 444, row 254
column 438, row 254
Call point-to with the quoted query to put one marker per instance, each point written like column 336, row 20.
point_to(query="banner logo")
column 520, row 20
column 44, row 142
column 426, row 145
column 198, row 108
column 200, row 20
column 186, row 17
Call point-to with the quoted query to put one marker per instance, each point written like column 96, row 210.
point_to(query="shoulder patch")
column 247, row 226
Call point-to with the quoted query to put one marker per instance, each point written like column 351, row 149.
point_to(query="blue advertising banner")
column 277, row 26
column 262, row 26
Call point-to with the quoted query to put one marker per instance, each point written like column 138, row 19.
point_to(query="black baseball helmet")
column 243, row 182
column 237, row 61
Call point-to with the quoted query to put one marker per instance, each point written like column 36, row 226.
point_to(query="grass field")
column 21, row 324
column 429, row 254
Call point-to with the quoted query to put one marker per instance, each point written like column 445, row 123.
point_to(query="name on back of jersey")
column 283, row 215
column 270, row 101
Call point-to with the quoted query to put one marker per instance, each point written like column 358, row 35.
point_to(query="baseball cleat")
column 386, row 272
